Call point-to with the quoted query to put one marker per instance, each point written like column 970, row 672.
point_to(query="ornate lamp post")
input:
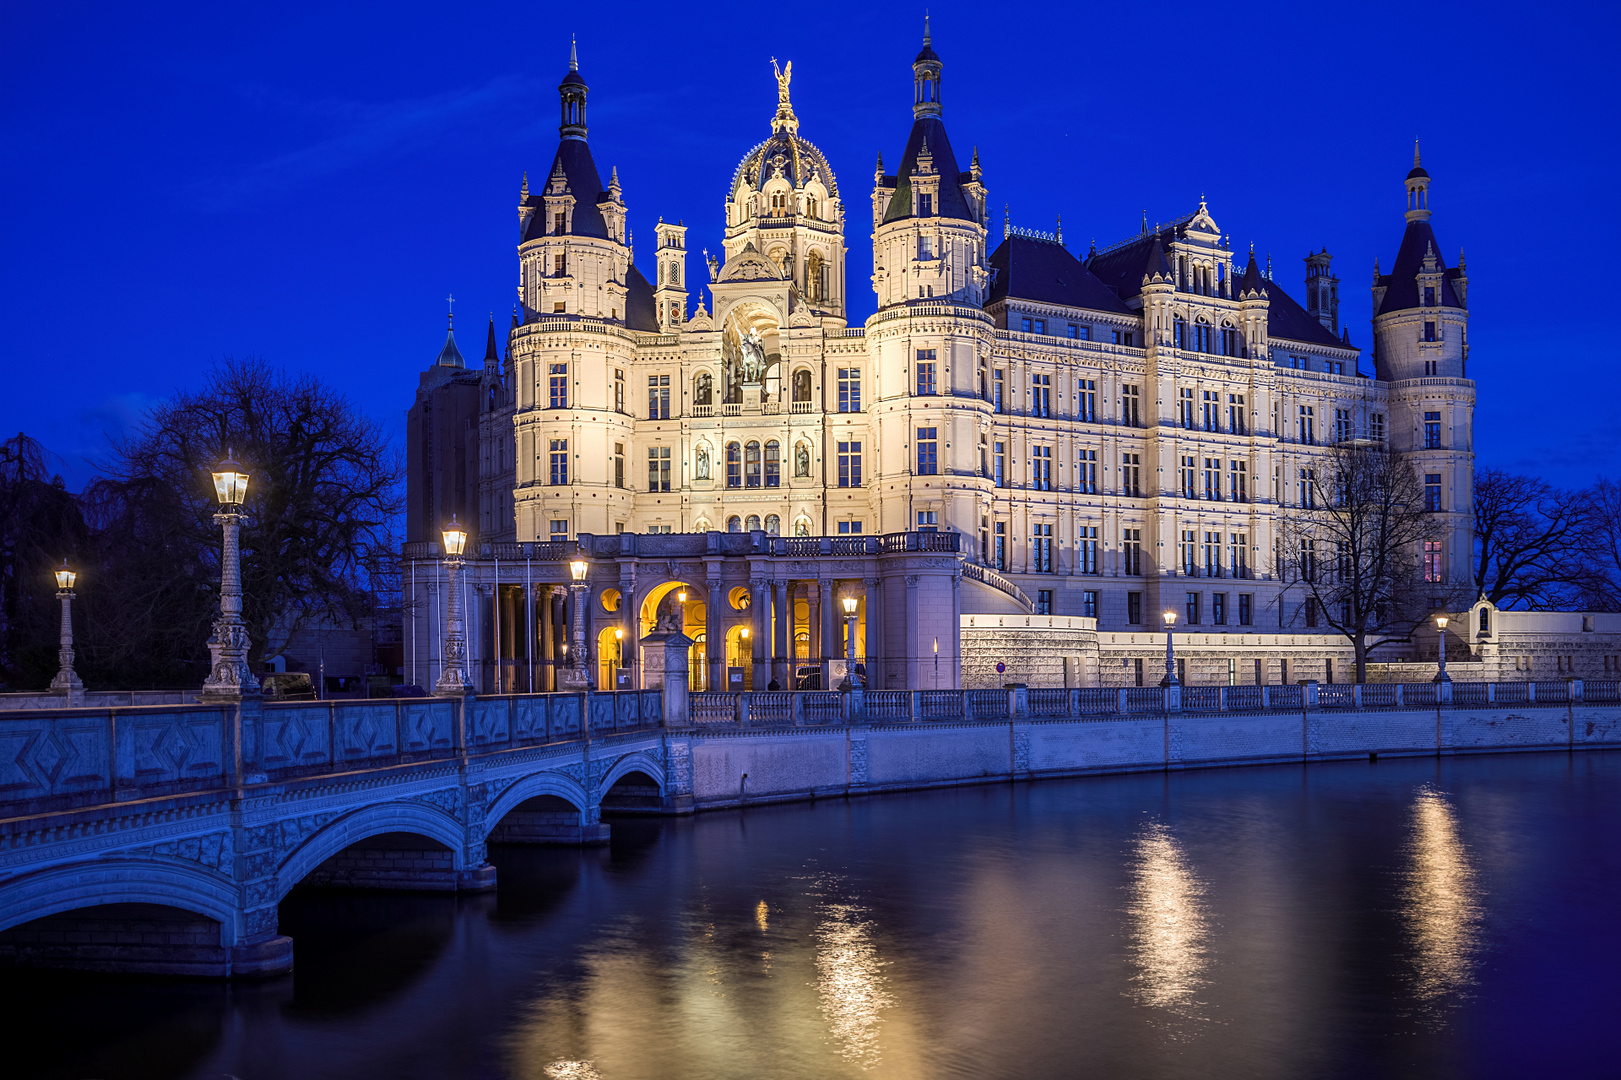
column 1170, row 653
column 1441, row 671
column 453, row 673
column 230, row 676
column 67, row 680
column 575, row 676
column 851, row 679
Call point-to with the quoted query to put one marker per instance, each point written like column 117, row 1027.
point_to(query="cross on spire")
column 450, row 312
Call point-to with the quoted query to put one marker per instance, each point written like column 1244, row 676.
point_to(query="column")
column 760, row 635
column 715, row 631
column 549, row 643
column 830, row 629
column 782, row 666
column 875, row 635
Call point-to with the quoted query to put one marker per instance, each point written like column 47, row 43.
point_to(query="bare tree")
column 1601, row 547
column 322, row 502
column 1356, row 550
column 1528, row 541
column 40, row 525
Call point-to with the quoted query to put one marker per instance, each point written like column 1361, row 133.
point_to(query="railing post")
column 1309, row 695
column 1443, row 694
column 1530, row 692
column 1575, row 691
column 1491, row 693
column 914, row 706
column 1266, row 698
column 1074, row 705
column 1172, row 697
column 1018, row 701
column 1356, row 695
column 796, row 708
column 742, row 709
column 1399, row 696
column 1120, row 700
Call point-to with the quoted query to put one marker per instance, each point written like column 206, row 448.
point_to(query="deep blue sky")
column 307, row 182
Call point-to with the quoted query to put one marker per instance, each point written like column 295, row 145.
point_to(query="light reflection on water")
column 850, row 981
column 1170, row 927
column 1441, row 900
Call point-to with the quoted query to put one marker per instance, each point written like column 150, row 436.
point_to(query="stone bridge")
column 215, row 811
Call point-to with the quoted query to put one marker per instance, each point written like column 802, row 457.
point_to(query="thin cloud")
column 371, row 131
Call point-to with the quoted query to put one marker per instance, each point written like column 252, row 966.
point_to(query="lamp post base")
column 574, row 680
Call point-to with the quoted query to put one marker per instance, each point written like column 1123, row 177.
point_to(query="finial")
column 1415, row 153
column 450, row 313
column 1201, row 202
column 1060, row 228
column 1252, row 247
column 1269, row 266
column 1004, row 221
column 925, row 26
column 1145, row 222
column 573, row 55
column 523, row 190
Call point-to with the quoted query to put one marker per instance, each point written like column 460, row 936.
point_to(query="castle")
column 1109, row 435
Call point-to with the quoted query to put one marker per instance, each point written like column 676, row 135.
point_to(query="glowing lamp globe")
column 65, row 576
column 455, row 538
column 578, row 568
column 230, row 482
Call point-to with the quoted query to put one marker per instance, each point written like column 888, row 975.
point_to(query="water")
column 1407, row 918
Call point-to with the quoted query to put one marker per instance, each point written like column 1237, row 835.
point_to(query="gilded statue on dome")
column 784, row 74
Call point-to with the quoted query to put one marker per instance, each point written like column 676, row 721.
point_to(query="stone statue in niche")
column 700, row 469
column 801, row 460
column 753, row 357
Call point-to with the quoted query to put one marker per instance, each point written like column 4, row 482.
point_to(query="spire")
column 925, row 27
column 523, row 189
column 1145, row 223
column 1005, row 229
column 450, row 356
column 1418, row 190
column 878, row 171
column 613, row 182
column 492, row 357
column 1416, row 163
column 572, row 91
column 926, row 78
column 1269, row 266
column 974, row 170
column 1060, row 233
column 1252, row 277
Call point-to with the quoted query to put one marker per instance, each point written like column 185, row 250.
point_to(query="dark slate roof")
column 1121, row 268
column 1252, row 280
column 953, row 203
column 1401, row 284
column 803, row 160
column 1286, row 319
column 492, row 358
column 584, row 183
column 450, row 356
column 641, row 313
column 1043, row 271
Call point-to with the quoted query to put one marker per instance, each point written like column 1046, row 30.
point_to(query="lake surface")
column 1410, row 918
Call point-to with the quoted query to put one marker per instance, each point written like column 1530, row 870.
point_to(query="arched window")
column 752, row 524
column 675, row 273
column 734, row 465
column 1201, row 335
column 1229, row 340
column 773, row 464
column 1181, row 339
column 802, row 385
column 813, row 209
column 751, row 465
column 773, row 524
column 734, row 524
column 703, row 389
column 1485, row 620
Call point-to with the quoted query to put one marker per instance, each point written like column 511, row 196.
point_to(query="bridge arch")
column 546, row 783
column 96, row 882
column 639, row 762
column 421, row 819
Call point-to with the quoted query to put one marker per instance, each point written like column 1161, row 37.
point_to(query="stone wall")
column 388, row 861
column 1038, row 650
column 148, row 938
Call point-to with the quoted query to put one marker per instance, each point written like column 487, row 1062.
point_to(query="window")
column 1237, row 421
column 1042, row 549
column 1238, row 481
column 558, row 530
column 998, row 398
column 619, row 390
column 734, row 524
column 1189, row 549
column 1305, row 430
column 1044, row 601
column 928, row 521
column 1134, row 616
column 849, row 528
column 1432, row 367
column 1229, row 341
column 559, row 222
column 1131, row 552
column 559, row 385
column 1432, row 492
column 1212, row 411
column 1188, row 477
column 1033, row 326
column 1086, row 472
column 619, row 464
column 928, row 460
column 1087, row 544
column 751, row 523
column 1246, row 617
column 849, row 389
column 1041, row 391
column 658, row 397
column 1086, row 400
column 1180, row 338
column 751, row 465
column 1129, row 410
column 1193, row 608
column 1432, row 560
column 1184, row 408
column 1376, row 427
column 1131, row 475
column 773, row 524
column 1089, row 603
column 1429, row 331
column 926, row 383
column 1429, row 296
column 1212, row 479
column 1311, row 613
column 1212, row 554
column 559, row 265
column 925, row 204
column 1041, row 468
column 1238, row 555
column 925, row 244
column 1432, row 431
column 999, row 464
column 559, row 461
column 1308, row 560
column 773, row 464
column 1307, row 481
column 1201, row 336
column 1080, row 333
column 658, row 468
column 1344, row 428
column 734, row 466
column 1001, row 546
column 849, row 464
column 1218, row 609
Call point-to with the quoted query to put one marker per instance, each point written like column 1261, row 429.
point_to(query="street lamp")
column 937, row 663
column 1441, row 675
column 851, row 679
column 619, row 648
column 1170, row 654
column 67, row 680
column 230, row 675
column 576, row 677
column 453, row 674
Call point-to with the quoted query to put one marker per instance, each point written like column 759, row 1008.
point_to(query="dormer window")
column 1429, row 296
column 925, row 204
column 559, row 223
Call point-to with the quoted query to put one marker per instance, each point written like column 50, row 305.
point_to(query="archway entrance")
column 684, row 603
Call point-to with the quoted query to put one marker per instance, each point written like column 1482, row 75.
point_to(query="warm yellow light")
column 230, row 482
column 849, row 605
column 682, row 596
column 455, row 538
column 745, row 633
column 937, row 646
column 618, row 633
column 65, row 576
column 1170, row 618
column 1441, row 621
column 578, row 568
